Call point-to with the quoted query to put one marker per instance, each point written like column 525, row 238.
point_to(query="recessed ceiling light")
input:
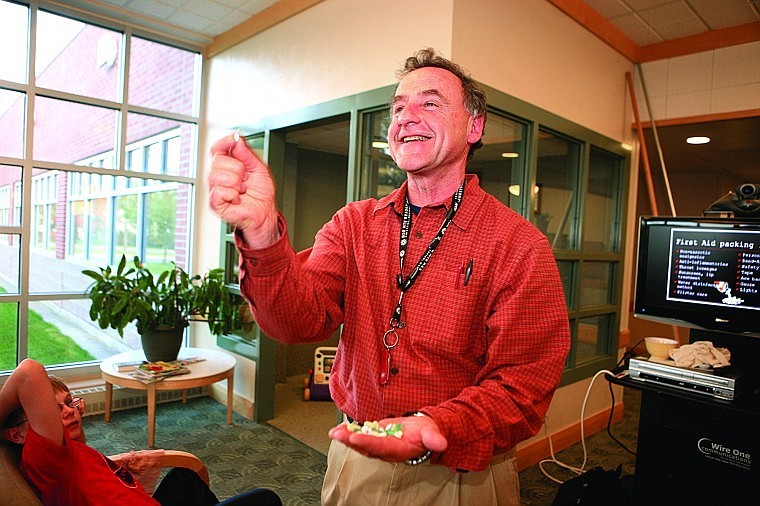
column 510, row 155
column 380, row 145
column 698, row 140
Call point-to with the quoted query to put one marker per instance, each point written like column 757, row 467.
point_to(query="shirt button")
column 418, row 234
column 394, row 370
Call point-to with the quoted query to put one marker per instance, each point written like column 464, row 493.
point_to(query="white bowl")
column 659, row 347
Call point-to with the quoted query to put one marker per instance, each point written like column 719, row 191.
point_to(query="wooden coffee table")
column 216, row 366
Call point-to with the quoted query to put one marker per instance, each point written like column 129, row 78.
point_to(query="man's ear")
column 16, row 434
column 477, row 123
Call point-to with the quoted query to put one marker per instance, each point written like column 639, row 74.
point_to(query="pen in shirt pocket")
column 465, row 269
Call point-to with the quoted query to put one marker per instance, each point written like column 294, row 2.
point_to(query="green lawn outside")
column 46, row 342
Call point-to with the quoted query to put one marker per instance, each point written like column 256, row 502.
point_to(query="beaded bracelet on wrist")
column 419, row 460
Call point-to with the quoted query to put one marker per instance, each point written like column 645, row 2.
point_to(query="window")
column 109, row 174
column 44, row 198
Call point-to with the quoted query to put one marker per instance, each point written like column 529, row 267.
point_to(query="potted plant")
column 161, row 307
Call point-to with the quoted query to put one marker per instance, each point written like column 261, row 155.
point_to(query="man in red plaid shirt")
column 453, row 313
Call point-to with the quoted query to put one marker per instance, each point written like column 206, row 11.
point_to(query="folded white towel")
column 701, row 354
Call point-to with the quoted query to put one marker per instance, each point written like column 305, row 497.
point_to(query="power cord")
column 619, row 368
column 622, row 364
column 553, row 459
column 609, row 422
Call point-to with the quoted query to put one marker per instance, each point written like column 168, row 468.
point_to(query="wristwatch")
column 415, row 461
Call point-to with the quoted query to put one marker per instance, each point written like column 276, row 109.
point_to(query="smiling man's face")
column 430, row 128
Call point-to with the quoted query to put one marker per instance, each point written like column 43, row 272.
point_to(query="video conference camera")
column 743, row 200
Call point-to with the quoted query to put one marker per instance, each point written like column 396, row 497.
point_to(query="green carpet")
column 239, row 457
column 248, row 454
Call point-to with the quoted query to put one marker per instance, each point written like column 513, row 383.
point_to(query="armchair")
column 15, row 491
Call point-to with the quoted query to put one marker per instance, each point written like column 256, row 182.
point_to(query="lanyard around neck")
column 406, row 227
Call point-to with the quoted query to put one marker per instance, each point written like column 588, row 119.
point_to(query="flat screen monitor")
column 700, row 272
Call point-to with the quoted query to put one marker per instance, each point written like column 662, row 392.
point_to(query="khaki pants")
column 353, row 479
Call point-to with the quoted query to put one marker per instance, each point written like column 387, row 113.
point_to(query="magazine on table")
column 150, row 372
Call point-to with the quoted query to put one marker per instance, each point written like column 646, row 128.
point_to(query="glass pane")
column 231, row 263
column 44, row 199
column 500, row 162
column 318, row 155
column 8, row 333
column 380, row 175
column 66, row 327
column 87, row 216
column 256, row 143
column 12, row 108
column 601, row 217
column 160, row 220
column 160, row 146
column 54, row 337
column 10, row 247
column 566, row 272
column 98, row 238
column 596, row 280
column 389, row 177
column 77, row 228
column 77, row 58
column 10, row 195
column 14, row 30
column 176, row 69
column 593, row 338
column 68, row 132
column 555, row 194
column 125, row 219
column 105, row 217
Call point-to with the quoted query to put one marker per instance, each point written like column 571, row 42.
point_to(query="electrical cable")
column 618, row 369
column 579, row 470
column 621, row 365
column 609, row 423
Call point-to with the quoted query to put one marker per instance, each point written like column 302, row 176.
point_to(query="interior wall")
column 333, row 49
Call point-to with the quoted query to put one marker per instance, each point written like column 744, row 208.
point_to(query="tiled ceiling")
column 652, row 21
column 645, row 22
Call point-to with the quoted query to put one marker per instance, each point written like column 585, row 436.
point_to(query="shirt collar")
column 472, row 200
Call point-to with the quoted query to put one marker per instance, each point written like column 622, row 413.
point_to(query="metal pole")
column 643, row 150
column 657, row 142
